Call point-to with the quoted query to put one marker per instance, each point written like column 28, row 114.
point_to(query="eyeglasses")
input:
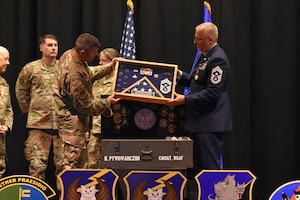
column 197, row 39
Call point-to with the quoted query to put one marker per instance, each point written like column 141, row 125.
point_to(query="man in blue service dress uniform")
column 208, row 111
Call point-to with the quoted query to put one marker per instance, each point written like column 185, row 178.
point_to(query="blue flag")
column 207, row 18
column 207, row 12
column 127, row 49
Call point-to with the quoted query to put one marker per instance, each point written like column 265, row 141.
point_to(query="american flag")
column 127, row 49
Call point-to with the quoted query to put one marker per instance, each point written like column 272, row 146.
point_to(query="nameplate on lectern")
column 144, row 81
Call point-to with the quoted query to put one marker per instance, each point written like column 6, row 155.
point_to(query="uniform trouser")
column 2, row 154
column 93, row 151
column 208, row 150
column 37, row 149
column 74, row 157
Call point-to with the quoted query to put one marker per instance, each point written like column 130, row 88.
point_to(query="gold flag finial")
column 206, row 4
column 130, row 4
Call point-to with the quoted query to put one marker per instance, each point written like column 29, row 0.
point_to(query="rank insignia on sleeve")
column 216, row 75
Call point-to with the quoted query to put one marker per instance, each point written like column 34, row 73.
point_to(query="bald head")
column 4, row 59
column 209, row 29
column 3, row 50
column 206, row 36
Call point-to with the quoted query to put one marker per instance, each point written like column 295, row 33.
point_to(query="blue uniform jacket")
column 207, row 104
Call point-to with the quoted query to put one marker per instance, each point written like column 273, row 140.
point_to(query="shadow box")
column 144, row 81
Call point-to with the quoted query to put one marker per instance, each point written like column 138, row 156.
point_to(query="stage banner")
column 287, row 191
column 225, row 184
column 20, row 187
column 86, row 184
column 142, row 185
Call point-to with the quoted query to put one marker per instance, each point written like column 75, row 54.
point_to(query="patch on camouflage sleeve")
column 78, row 89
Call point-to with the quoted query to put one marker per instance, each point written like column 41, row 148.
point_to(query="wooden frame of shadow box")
column 145, row 81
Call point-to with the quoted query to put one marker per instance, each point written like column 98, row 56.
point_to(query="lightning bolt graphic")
column 94, row 179
column 161, row 181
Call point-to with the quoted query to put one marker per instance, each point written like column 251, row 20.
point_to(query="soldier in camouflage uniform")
column 35, row 97
column 6, row 111
column 74, row 101
column 101, row 89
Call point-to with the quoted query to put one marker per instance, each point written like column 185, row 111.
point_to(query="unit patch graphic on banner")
column 21, row 187
column 225, row 184
column 88, row 184
column 154, row 185
column 290, row 190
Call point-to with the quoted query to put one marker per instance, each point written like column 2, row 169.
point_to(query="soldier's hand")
column 113, row 99
column 115, row 60
column 87, row 136
column 113, row 64
column 3, row 129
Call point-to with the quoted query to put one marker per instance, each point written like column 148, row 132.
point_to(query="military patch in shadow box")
column 132, row 119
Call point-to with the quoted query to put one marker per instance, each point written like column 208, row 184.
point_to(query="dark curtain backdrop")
column 260, row 38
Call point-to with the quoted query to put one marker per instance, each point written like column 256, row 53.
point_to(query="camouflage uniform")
column 74, row 104
column 35, row 96
column 101, row 88
column 6, row 118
